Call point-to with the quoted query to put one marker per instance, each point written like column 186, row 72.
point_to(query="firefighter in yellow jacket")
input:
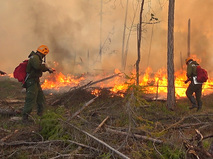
column 34, row 93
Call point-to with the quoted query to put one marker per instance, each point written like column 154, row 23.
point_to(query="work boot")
column 199, row 106
column 193, row 101
column 193, row 106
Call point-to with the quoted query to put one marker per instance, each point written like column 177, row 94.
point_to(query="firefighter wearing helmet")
column 34, row 93
column 194, row 86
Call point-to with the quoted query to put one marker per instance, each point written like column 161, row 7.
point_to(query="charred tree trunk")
column 139, row 43
column 170, row 57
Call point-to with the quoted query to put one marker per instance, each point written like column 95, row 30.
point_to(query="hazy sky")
column 71, row 30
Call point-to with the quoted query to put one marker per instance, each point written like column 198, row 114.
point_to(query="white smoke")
column 71, row 29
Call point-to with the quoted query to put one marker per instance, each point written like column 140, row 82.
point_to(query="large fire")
column 156, row 83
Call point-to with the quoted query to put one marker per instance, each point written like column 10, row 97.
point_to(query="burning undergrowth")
column 118, row 83
column 80, row 95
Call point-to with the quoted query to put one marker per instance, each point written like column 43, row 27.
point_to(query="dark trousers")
column 197, row 89
column 34, row 97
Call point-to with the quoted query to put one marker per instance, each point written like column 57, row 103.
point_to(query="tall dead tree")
column 139, row 43
column 123, row 60
column 189, row 38
column 170, row 57
column 100, row 45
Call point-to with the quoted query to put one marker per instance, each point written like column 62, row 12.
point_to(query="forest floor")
column 77, row 124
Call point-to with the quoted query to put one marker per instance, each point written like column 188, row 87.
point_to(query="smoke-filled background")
column 75, row 30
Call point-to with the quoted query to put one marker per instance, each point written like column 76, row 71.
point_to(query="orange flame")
column 96, row 92
column 155, row 82
column 58, row 80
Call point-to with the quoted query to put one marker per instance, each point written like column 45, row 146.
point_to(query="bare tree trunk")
column 124, row 36
column 170, row 57
column 181, row 62
column 189, row 38
column 101, row 12
column 139, row 43
column 128, row 38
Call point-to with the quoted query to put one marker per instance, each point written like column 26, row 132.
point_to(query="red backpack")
column 202, row 75
column 20, row 71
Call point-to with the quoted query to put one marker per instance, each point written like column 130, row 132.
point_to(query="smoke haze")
column 71, row 29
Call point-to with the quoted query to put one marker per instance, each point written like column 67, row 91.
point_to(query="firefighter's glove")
column 50, row 70
column 186, row 81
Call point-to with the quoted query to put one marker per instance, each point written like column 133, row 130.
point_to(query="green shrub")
column 105, row 156
column 51, row 127
column 168, row 153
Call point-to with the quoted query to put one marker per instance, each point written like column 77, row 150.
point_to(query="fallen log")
column 5, row 130
column 192, row 125
column 8, row 136
column 99, row 141
column 8, row 112
column 102, row 123
column 25, row 143
column 12, row 101
column 134, row 135
column 80, row 110
column 173, row 125
column 197, row 151
column 104, row 79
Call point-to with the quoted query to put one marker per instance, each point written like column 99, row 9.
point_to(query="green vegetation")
column 51, row 127
column 105, row 156
column 169, row 153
